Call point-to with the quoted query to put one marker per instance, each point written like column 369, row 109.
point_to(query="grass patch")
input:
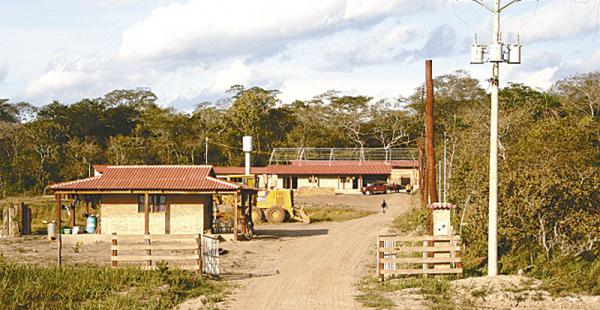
column 91, row 287
column 414, row 222
column 433, row 289
column 568, row 274
column 335, row 213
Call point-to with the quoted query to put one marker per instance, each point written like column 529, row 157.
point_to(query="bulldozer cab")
column 246, row 179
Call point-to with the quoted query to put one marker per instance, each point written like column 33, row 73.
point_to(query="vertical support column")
column 380, row 254
column 146, row 214
column 243, row 209
column 114, row 251
column 57, row 198
column 147, row 227
column 235, row 217
column 73, row 214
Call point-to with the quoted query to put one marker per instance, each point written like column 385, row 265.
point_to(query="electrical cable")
column 459, row 18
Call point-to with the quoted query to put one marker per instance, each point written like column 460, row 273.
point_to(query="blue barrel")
column 91, row 224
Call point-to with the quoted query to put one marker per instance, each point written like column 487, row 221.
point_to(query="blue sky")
column 191, row 51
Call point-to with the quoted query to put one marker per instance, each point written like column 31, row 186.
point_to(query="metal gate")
column 210, row 255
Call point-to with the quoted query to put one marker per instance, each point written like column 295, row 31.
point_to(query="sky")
column 192, row 51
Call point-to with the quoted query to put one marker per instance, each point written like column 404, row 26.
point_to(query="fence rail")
column 414, row 255
column 181, row 251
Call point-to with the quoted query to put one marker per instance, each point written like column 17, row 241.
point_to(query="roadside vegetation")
column 335, row 213
column 92, row 287
column 433, row 291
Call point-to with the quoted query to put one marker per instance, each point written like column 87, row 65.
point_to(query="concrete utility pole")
column 497, row 53
column 429, row 147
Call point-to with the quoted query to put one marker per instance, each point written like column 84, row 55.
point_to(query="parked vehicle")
column 381, row 187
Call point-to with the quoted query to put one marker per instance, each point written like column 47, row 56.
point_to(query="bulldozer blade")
column 302, row 216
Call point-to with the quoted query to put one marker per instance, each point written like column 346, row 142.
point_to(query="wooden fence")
column 181, row 251
column 412, row 255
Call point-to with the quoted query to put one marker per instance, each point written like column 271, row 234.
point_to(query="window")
column 157, row 203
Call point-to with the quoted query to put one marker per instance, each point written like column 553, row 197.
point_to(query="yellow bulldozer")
column 275, row 206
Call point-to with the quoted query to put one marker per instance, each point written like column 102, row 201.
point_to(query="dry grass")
column 335, row 213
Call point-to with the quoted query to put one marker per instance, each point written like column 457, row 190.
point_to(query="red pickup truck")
column 381, row 187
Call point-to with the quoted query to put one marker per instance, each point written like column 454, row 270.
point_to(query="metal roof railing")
column 284, row 156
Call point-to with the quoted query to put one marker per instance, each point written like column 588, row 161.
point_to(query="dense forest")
column 549, row 149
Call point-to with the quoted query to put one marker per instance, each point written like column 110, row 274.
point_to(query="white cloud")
column 554, row 20
column 208, row 29
column 3, row 72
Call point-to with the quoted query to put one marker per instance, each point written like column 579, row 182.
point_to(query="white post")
column 445, row 170
column 493, row 198
column 206, row 150
column 247, row 169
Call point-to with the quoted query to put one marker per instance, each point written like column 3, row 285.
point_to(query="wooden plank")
column 410, row 249
column 418, row 238
column 154, row 258
column 153, row 246
column 182, row 267
column 420, row 260
column 422, row 271
column 172, row 237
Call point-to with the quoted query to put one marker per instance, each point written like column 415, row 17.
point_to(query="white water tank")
column 247, row 144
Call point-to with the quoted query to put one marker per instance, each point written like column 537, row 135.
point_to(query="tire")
column 257, row 215
column 276, row 215
column 368, row 193
column 388, row 191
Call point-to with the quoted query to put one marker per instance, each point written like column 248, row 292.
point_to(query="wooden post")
column 425, row 266
column 73, row 214
column 58, row 224
column 235, row 217
column 199, row 242
column 146, row 214
column 147, row 226
column 147, row 242
column 381, row 256
column 429, row 134
column 114, row 252
column 243, row 209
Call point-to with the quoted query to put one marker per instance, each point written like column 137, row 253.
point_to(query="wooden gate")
column 410, row 255
column 149, row 251
column 210, row 255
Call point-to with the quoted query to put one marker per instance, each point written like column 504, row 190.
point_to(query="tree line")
column 549, row 144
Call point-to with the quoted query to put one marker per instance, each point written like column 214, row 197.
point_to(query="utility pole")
column 429, row 147
column 445, row 170
column 497, row 53
column 206, row 150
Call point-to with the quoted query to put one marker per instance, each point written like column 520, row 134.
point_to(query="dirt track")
column 310, row 266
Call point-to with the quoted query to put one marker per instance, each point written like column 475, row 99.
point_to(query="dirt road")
column 316, row 267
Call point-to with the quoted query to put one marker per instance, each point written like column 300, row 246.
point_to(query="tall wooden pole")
column 146, row 214
column 429, row 134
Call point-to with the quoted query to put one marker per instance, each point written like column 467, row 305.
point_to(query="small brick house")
column 159, row 199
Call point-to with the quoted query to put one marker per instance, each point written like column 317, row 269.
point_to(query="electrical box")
column 514, row 53
column 496, row 52
column 440, row 214
column 477, row 52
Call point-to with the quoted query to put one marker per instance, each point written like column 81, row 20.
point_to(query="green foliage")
column 89, row 287
column 414, row 221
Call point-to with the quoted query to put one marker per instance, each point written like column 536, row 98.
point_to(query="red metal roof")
column 159, row 177
column 393, row 163
column 238, row 170
column 320, row 169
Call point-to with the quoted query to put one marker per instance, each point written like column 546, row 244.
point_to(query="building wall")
column 188, row 214
column 398, row 173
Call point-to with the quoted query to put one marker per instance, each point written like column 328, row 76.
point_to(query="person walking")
column 384, row 206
